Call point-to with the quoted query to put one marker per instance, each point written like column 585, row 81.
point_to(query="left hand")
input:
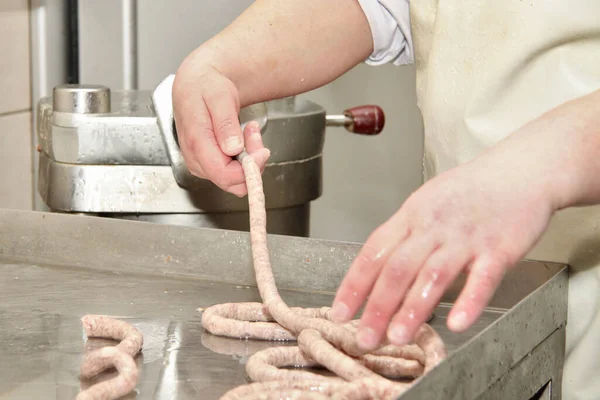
column 480, row 218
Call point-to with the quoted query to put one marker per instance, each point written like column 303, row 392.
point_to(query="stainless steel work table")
column 55, row 268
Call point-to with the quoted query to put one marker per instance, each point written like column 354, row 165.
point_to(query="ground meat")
column 321, row 343
column 121, row 357
column 102, row 359
column 101, row 326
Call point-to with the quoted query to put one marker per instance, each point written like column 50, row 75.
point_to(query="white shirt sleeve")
column 390, row 26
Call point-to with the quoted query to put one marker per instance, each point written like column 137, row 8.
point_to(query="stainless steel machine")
column 55, row 268
column 102, row 153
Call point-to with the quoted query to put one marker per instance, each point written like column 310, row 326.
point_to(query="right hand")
column 206, row 107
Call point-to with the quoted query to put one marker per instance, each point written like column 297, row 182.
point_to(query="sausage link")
column 321, row 343
column 119, row 357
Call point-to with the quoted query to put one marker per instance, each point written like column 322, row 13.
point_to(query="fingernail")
column 367, row 338
column 398, row 334
column 458, row 322
column 340, row 312
column 232, row 144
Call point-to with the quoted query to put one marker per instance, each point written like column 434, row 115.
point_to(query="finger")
column 190, row 118
column 224, row 112
column 259, row 153
column 240, row 190
column 200, row 149
column 484, row 278
column 188, row 157
column 252, row 137
column 254, row 145
column 201, row 144
column 396, row 277
column 365, row 268
column 260, row 157
column 222, row 170
column 438, row 273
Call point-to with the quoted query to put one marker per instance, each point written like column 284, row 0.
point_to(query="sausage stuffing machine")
column 55, row 268
column 101, row 152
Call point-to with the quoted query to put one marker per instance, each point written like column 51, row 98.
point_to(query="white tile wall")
column 15, row 161
column 15, row 80
column 15, row 106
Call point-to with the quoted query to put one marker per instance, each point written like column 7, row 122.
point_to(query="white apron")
column 485, row 68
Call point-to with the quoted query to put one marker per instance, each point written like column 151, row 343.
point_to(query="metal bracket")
column 163, row 107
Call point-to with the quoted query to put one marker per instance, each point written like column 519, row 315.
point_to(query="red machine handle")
column 363, row 120
column 366, row 120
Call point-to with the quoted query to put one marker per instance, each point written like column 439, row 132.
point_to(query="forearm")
column 559, row 152
column 278, row 48
column 579, row 120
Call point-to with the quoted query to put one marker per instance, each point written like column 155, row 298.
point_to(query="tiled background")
column 16, row 189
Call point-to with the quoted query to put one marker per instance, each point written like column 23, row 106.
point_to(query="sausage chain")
column 120, row 357
column 321, row 342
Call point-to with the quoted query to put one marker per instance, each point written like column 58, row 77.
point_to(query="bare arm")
column 570, row 136
column 278, row 48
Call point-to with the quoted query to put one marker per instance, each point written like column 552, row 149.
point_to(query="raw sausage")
column 120, row 357
column 102, row 326
column 114, row 388
column 321, row 343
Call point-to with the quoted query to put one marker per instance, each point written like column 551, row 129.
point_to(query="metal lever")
column 162, row 99
column 363, row 120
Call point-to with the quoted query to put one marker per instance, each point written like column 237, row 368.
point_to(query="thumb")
column 261, row 157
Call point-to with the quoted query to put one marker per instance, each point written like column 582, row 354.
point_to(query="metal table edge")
column 553, row 317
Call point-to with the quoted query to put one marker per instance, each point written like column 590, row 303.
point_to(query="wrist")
column 577, row 127
column 530, row 163
column 565, row 144
column 549, row 161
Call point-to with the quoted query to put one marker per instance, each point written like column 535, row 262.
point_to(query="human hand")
column 206, row 108
column 480, row 218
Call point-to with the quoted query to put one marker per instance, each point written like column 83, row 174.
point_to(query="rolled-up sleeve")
column 390, row 26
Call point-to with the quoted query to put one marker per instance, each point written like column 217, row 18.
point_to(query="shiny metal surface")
column 42, row 334
column 81, row 99
column 523, row 350
column 152, row 189
column 543, row 370
column 282, row 105
column 130, row 44
column 281, row 221
column 129, row 134
column 55, row 268
column 339, row 120
column 117, row 163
